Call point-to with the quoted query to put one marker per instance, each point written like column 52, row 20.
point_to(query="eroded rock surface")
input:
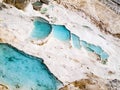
column 104, row 13
column 93, row 82
column 68, row 63
column 3, row 87
column 20, row 4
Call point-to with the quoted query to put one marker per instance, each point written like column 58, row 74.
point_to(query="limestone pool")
column 93, row 48
column 42, row 29
column 19, row 70
column 61, row 32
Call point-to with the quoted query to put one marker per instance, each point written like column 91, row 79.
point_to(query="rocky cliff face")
column 112, row 4
column 104, row 13
column 21, row 4
column 75, row 62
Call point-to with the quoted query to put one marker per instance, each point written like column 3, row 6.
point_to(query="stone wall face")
column 112, row 4
column 104, row 13
column 20, row 4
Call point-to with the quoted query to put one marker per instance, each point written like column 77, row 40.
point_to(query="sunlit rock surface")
column 64, row 60
column 37, row 5
column 19, row 70
column 43, row 29
column 104, row 13
column 20, row 4
column 93, row 82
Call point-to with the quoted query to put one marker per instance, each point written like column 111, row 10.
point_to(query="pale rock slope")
column 67, row 63
column 104, row 13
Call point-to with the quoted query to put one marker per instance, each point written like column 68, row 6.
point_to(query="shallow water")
column 104, row 56
column 75, row 41
column 83, row 43
column 60, row 32
column 42, row 29
column 99, row 51
column 20, row 70
column 96, row 49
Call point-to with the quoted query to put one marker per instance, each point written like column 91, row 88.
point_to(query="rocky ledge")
column 104, row 13
column 69, row 41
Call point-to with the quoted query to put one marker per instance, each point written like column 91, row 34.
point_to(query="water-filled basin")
column 19, row 70
column 75, row 41
column 60, row 32
column 42, row 29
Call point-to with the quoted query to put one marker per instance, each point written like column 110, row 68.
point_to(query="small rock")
column 2, row 6
column 20, row 4
column 45, row 1
column 37, row 5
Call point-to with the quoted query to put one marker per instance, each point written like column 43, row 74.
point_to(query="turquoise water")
column 97, row 49
column 42, row 20
column 93, row 48
column 83, row 43
column 104, row 56
column 60, row 32
column 42, row 29
column 75, row 41
column 19, row 69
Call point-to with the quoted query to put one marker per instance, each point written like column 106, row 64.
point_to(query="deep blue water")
column 75, row 41
column 60, row 32
column 42, row 29
column 19, row 69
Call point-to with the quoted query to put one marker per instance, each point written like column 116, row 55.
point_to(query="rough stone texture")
column 15, row 29
column 45, row 1
column 104, row 13
column 113, row 84
column 37, row 5
column 112, row 4
column 20, row 4
column 93, row 82
column 2, row 6
column 3, row 87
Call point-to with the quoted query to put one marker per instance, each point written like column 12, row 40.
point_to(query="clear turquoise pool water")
column 104, row 56
column 75, row 41
column 96, row 49
column 42, row 29
column 83, row 43
column 40, row 19
column 19, row 69
column 99, row 51
column 60, row 32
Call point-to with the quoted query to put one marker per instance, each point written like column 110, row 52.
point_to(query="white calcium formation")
column 59, row 47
